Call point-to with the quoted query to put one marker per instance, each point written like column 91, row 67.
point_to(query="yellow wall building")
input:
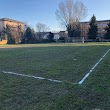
column 14, row 25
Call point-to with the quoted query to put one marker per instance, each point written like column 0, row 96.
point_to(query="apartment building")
column 15, row 25
column 101, row 28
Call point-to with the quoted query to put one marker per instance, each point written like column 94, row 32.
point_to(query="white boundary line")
column 31, row 76
column 35, row 77
column 86, row 76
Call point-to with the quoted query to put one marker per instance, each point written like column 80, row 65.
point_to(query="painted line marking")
column 87, row 75
column 35, row 77
column 31, row 76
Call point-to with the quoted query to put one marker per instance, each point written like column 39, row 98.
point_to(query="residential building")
column 63, row 34
column 101, row 28
column 60, row 34
column 42, row 35
column 56, row 37
column 16, row 27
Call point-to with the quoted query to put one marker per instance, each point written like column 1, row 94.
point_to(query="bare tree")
column 71, row 13
column 41, row 28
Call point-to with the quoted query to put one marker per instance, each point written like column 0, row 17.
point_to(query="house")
column 14, row 26
column 61, row 34
column 56, row 36
column 42, row 35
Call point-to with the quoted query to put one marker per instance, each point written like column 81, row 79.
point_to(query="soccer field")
column 67, row 63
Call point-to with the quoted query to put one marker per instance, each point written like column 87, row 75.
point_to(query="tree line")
column 16, row 35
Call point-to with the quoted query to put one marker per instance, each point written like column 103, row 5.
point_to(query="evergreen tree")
column 28, row 35
column 20, row 33
column 50, row 37
column 74, row 30
column 107, row 29
column 92, row 33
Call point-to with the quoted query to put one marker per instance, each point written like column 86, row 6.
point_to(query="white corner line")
column 31, row 76
column 87, row 75
column 35, row 77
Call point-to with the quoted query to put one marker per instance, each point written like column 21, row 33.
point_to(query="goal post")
column 75, row 40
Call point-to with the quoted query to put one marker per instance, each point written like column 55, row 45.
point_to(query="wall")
column 2, row 42
column 15, row 24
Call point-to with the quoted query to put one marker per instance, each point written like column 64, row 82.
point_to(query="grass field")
column 65, row 62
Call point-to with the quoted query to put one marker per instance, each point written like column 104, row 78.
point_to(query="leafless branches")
column 70, row 12
column 40, row 27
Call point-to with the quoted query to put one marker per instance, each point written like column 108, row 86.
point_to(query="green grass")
column 66, row 62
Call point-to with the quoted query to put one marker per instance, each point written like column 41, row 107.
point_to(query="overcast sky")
column 34, row 11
